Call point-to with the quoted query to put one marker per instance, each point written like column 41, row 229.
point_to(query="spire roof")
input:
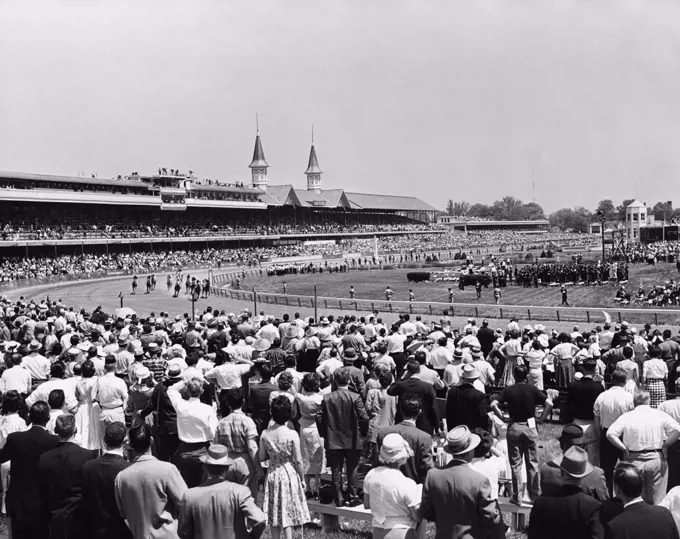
column 258, row 154
column 313, row 166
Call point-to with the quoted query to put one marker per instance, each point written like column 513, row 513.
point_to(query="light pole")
column 603, row 218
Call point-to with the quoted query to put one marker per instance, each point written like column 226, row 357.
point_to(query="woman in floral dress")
column 311, row 444
column 87, row 416
column 284, row 492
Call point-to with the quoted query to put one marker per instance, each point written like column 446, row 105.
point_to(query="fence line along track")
column 590, row 315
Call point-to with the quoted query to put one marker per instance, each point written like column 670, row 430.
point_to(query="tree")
column 663, row 210
column 508, row 208
column 577, row 219
column 461, row 208
column 449, row 207
column 481, row 211
column 607, row 208
column 531, row 211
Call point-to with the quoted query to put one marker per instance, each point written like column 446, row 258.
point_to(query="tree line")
column 577, row 219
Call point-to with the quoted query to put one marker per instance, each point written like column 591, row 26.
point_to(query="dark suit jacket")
column 24, row 449
column 342, row 420
column 258, row 403
column 427, row 419
column 486, row 337
column 466, row 405
column 99, row 498
column 61, row 483
column 420, row 463
column 642, row 521
column 459, row 500
column 592, row 484
column 573, row 514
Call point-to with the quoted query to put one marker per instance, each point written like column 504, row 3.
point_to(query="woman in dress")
column 510, row 352
column 392, row 498
column 563, row 357
column 310, row 348
column 87, row 416
column 654, row 376
column 138, row 395
column 534, row 357
column 381, row 409
column 10, row 422
column 284, row 491
column 311, row 444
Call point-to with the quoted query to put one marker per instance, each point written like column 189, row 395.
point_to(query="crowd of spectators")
column 240, row 401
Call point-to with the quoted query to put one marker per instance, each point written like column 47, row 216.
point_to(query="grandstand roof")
column 258, row 155
column 70, row 179
column 313, row 166
column 222, row 188
column 367, row 201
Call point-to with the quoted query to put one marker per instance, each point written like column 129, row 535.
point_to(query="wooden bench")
column 330, row 514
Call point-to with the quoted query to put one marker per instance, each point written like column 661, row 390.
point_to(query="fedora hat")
column 311, row 331
column 458, row 353
column 33, row 347
column 575, row 462
column 218, row 455
column 572, row 434
column 261, row 345
column 470, row 372
column 173, row 371
column 350, row 353
column 460, row 440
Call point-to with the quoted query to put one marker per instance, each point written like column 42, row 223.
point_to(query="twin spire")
column 259, row 166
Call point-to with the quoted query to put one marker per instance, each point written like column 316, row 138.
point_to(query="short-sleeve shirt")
column 643, row 428
column 234, row 432
column 391, row 494
column 654, row 369
column 228, row 375
column 521, row 400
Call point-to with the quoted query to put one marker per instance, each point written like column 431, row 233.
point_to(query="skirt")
column 657, row 391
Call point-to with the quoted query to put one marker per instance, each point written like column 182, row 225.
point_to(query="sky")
column 451, row 99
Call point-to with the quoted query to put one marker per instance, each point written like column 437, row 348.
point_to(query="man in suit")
column 638, row 520
column 61, row 480
column 218, row 507
column 466, row 405
column 552, row 478
column 342, row 422
column 258, row 400
column 427, row 419
column 417, row 466
column 29, row 517
column 102, row 518
column 149, row 492
column 486, row 337
column 568, row 512
column 457, row 498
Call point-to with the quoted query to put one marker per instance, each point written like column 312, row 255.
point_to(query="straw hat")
column 173, row 371
column 470, row 372
column 33, row 347
column 460, row 440
column 217, row 455
column 262, row 345
column 394, row 449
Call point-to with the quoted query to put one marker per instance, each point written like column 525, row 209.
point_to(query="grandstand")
column 54, row 212
column 462, row 224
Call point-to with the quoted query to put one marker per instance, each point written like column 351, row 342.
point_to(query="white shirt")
column 269, row 332
column 490, row 468
column 42, row 393
column 672, row 408
column 395, row 343
column 407, row 328
column 643, row 428
column 329, row 366
column 440, row 357
column 8, row 424
column 190, row 373
column 391, row 494
column 196, row 422
column 612, row 404
column 111, row 391
column 672, row 503
column 38, row 366
column 228, row 375
column 54, row 414
column 16, row 378
column 487, row 374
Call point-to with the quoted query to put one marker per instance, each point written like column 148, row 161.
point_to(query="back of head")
column 195, row 388
column 65, row 426
column 410, row 405
column 486, row 441
column 11, row 402
column 520, row 373
column 641, row 397
column 235, row 398
column 589, row 365
column 265, row 372
column 56, row 399
column 114, row 435
column 421, row 357
column 341, row 376
column 619, row 378
column 57, row 370
column 39, row 414
column 140, row 438
column 413, row 366
column 628, row 481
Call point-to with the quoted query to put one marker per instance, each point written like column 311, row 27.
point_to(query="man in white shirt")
column 111, row 392
column 36, row 364
column 328, row 366
column 42, row 392
column 641, row 435
column 228, row 375
column 196, row 427
column 407, row 327
column 16, row 378
column 395, row 342
column 269, row 331
column 672, row 408
column 441, row 356
column 469, row 340
column 487, row 374
column 608, row 407
column 605, row 338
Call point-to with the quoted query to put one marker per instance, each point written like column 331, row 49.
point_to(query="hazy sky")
column 462, row 99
